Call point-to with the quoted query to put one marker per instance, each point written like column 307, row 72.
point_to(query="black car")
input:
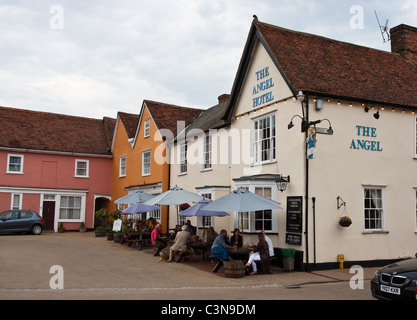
column 21, row 221
column 396, row 281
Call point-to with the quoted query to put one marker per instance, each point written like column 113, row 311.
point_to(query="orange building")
column 140, row 161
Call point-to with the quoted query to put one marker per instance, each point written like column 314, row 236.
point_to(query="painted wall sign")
column 366, row 143
column 264, row 82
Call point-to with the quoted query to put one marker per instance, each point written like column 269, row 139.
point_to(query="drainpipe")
column 307, row 184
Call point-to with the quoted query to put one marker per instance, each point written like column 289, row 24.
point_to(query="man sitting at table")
column 219, row 249
column 181, row 241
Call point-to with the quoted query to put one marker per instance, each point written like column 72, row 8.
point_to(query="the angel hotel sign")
column 368, row 142
column 260, row 89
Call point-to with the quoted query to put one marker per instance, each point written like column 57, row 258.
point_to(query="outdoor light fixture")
column 300, row 96
column 282, row 183
column 307, row 124
column 376, row 114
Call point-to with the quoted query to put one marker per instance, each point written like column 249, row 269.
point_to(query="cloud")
column 110, row 56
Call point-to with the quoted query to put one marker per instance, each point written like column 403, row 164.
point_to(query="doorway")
column 48, row 214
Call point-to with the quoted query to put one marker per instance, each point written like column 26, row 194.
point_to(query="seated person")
column 220, row 248
column 191, row 229
column 137, row 225
column 157, row 239
column 182, row 238
column 260, row 252
column 236, row 238
column 209, row 235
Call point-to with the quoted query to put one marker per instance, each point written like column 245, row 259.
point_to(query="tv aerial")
column 384, row 29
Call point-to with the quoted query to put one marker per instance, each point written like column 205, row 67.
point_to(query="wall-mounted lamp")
column 282, row 183
column 305, row 125
column 376, row 114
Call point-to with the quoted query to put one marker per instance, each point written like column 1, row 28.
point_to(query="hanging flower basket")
column 184, row 206
column 345, row 221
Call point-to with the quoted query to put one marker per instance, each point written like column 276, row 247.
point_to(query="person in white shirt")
column 270, row 245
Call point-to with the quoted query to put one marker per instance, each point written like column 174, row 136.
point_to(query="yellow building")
column 139, row 150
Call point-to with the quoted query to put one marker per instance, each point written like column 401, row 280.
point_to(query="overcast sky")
column 94, row 58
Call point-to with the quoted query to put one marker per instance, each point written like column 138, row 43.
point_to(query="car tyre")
column 37, row 229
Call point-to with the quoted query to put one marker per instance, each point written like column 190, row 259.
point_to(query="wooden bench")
column 265, row 266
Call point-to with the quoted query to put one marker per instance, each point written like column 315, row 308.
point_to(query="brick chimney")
column 224, row 98
column 404, row 42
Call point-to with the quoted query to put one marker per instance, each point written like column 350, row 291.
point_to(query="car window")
column 11, row 215
column 26, row 215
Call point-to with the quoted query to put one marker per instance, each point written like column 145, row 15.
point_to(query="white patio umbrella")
column 174, row 196
column 134, row 197
column 242, row 200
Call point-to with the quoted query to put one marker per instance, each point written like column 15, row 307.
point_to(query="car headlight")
column 377, row 274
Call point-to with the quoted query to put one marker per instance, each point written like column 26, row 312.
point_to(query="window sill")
column 375, row 232
column 83, row 177
column 12, row 172
column 182, row 174
column 206, row 169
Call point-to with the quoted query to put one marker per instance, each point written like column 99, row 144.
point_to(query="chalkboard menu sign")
column 295, row 214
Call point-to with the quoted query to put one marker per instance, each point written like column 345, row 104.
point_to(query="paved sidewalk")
column 95, row 267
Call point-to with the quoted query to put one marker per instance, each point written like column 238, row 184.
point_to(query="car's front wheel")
column 37, row 229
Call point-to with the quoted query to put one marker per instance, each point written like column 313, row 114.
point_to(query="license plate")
column 390, row 289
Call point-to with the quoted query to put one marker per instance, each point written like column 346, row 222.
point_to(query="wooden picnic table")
column 141, row 238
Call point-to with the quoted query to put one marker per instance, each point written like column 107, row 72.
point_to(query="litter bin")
column 288, row 259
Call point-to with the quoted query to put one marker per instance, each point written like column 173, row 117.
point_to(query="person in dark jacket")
column 260, row 252
column 236, row 239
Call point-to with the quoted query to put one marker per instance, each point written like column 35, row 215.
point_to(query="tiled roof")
column 43, row 131
column 130, row 122
column 320, row 65
column 324, row 67
column 166, row 115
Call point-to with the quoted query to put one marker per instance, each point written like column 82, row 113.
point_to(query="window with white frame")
column 182, row 163
column 205, row 222
column 147, row 129
column 70, row 208
column 263, row 218
column 15, row 163
column 264, row 139
column 16, row 202
column 81, row 168
column 373, row 208
column 256, row 221
column 207, row 152
column 146, row 163
column 122, row 166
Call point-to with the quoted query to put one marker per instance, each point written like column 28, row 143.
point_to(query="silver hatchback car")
column 21, row 221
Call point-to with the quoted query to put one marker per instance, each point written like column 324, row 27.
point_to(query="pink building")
column 56, row 165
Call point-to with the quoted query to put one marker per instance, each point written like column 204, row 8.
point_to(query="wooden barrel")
column 234, row 268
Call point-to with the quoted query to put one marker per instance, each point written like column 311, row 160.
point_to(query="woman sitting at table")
column 157, row 239
column 259, row 253
column 236, row 239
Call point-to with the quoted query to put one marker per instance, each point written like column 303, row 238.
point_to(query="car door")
column 9, row 221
